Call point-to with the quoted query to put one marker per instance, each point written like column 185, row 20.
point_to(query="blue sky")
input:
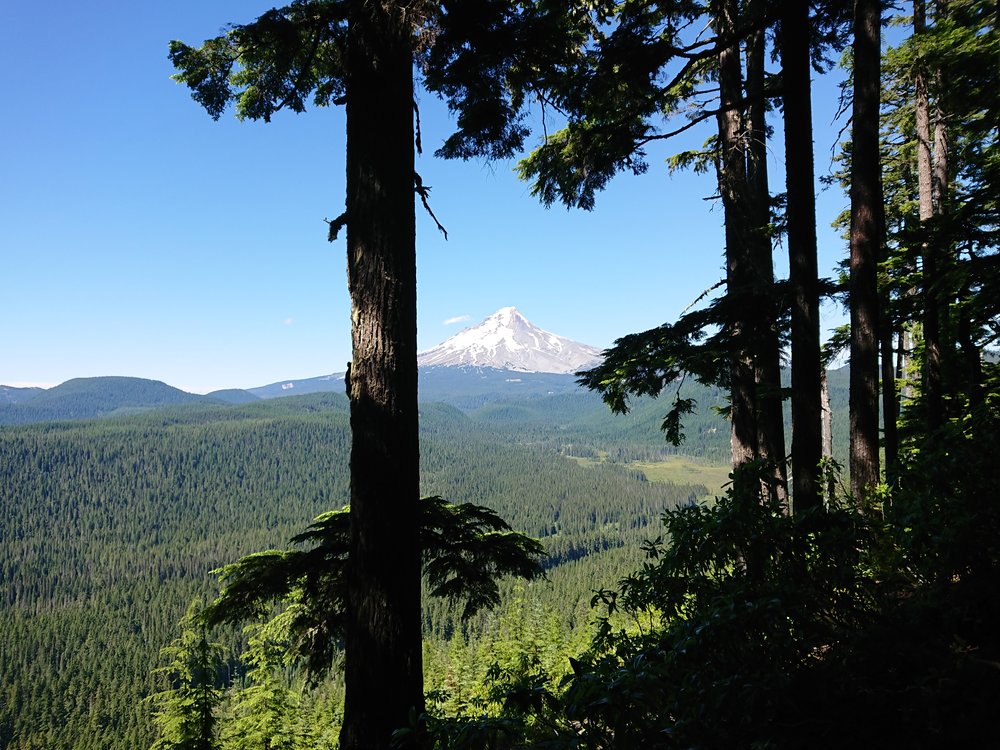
column 138, row 237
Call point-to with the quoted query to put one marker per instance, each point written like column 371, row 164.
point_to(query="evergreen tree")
column 803, row 269
column 653, row 70
column 362, row 53
column 263, row 712
column 731, row 166
column 186, row 712
column 866, row 240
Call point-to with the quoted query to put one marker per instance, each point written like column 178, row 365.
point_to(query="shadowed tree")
column 361, row 53
column 767, row 362
column 358, row 53
column 731, row 166
column 796, row 66
column 866, row 238
column 638, row 71
column 465, row 549
column 645, row 66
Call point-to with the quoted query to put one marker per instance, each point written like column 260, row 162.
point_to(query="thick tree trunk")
column 383, row 640
column 807, row 440
column 770, row 418
column 866, row 236
column 739, row 279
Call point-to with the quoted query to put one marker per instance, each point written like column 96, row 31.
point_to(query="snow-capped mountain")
column 507, row 340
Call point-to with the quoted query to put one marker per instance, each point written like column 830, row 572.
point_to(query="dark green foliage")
column 466, row 549
column 945, row 511
column 644, row 364
column 108, row 529
column 185, row 712
column 753, row 628
column 717, row 625
column 638, row 67
column 939, row 273
column 283, row 57
column 263, row 713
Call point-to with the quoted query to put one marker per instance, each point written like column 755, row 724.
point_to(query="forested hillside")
column 109, row 530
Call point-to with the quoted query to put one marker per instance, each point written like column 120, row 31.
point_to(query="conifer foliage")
column 185, row 713
column 465, row 549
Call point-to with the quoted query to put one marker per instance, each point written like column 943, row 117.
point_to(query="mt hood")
column 507, row 340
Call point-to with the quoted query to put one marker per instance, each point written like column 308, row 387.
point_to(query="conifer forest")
column 370, row 569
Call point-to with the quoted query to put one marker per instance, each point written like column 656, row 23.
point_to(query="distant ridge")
column 89, row 398
column 12, row 395
column 507, row 340
column 233, row 396
column 322, row 384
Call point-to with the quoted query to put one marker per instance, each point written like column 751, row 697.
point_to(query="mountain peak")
column 506, row 313
column 507, row 340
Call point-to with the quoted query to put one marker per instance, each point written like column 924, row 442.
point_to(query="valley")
column 110, row 528
column 120, row 496
column 677, row 469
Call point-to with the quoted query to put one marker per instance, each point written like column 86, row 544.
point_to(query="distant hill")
column 89, row 398
column 233, row 396
column 11, row 395
column 536, row 405
column 465, row 386
column 469, row 387
column 323, row 384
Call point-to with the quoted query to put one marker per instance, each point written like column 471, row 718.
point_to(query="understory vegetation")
column 749, row 627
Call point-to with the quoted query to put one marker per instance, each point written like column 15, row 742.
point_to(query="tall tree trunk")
column 866, row 237
column 925, row 187
column 940, row 339
column 770, row 417
column 383, row 639
column 807, row 436
column 890, row 403
column 732, row 186
column 930, row 251
column 827, row 427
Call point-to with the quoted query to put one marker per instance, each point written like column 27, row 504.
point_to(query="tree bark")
column 827, row 427
column 807, row 440
column 925, row 188
column 866, row 236
column 770, row 417
column 890, row 403
column 731, row 166
column 383, row 639
column 930, row 252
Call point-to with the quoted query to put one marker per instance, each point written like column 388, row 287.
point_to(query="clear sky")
column 138, row 237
